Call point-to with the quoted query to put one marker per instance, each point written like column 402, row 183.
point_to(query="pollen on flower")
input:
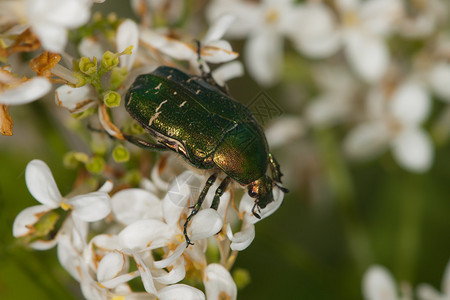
column 272, row 15
column 66, row 206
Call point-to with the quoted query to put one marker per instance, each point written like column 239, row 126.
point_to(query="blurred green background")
column 313, row 247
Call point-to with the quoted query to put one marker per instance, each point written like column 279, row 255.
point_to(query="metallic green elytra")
column 211, row 130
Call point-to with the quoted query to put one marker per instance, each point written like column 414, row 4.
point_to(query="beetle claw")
column 254, row 212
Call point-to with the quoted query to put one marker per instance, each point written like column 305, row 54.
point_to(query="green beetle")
column 200, row 121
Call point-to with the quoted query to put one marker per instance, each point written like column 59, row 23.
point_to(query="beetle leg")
column 219, row 192
column 275, row 168
column 197, row 205
column 144, row 144
column 207, row 76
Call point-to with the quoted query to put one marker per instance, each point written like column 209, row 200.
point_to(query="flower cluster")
column 145, row 237
column 378, row 284
column 367, row 81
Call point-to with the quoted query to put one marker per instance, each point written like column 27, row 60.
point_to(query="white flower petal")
column 247, row 203
column 75, row 99
column 228, row 71
column 378, row 16
column 53, row 38
column 328, row 109
column 413, row 150
column 41, row 184
column 367, row 54
column 63, row 13
column 119, row 280
column 143, row 232
column 98, row 246
column 175, row 275
column 131, row 205
column 439, row 78
column 146, row 275
column 68, row 257
column 263, row 55
column 242, row 239
column 167, row 45
column 44, row 245
column 218, row 282
column 367, row 140
column 378, row 284
column 313, row 30
column 24, row 221
column 111, row 265
column 91, row 207
column 205, row 223
column 90, row 47
column 427, row 292
column 248, row 16
column 284, row 130
column 180, row 291
column 411, row 103
column 28, row 91
column 218, row 29
column 106, row 187
column 127, row 35
column 164, row 263
column 184, row 187
column 218, row 52
column 446, row 280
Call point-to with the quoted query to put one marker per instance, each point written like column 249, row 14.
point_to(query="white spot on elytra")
column 157, row 112
column 160, row 105
column 189, row 80
column 181, row 105
column 170, row 76
column 197, row 92
column 153, row 118
column 174, row 93
column 159, row 86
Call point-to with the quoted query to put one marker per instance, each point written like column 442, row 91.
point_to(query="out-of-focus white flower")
column 378, row 284
column 395, row 119
column 41, row 184
column 213, row 49
column 48, row 19
column 364, row 26
column 264, row 24
column 427, row 292
column 336, row 102
column 422, row 18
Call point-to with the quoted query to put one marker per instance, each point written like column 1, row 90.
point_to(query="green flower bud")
column 95, row 164
column 109, row 60
column 111, row 99
column 121, row 154
column 241, row 277
column 87, row 66
column 73, row 159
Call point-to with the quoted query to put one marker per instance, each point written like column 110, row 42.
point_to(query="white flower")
column 378, row 284
column 213, row 49
column 336, row 102
column 364, row 27
column 395, row 120
column 219, row 283
column 50, row 19
column 264, row 25
column 17, row 91
column 427, row 292
column 41, row 184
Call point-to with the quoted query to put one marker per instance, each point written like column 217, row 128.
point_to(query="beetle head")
column 261, row 190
